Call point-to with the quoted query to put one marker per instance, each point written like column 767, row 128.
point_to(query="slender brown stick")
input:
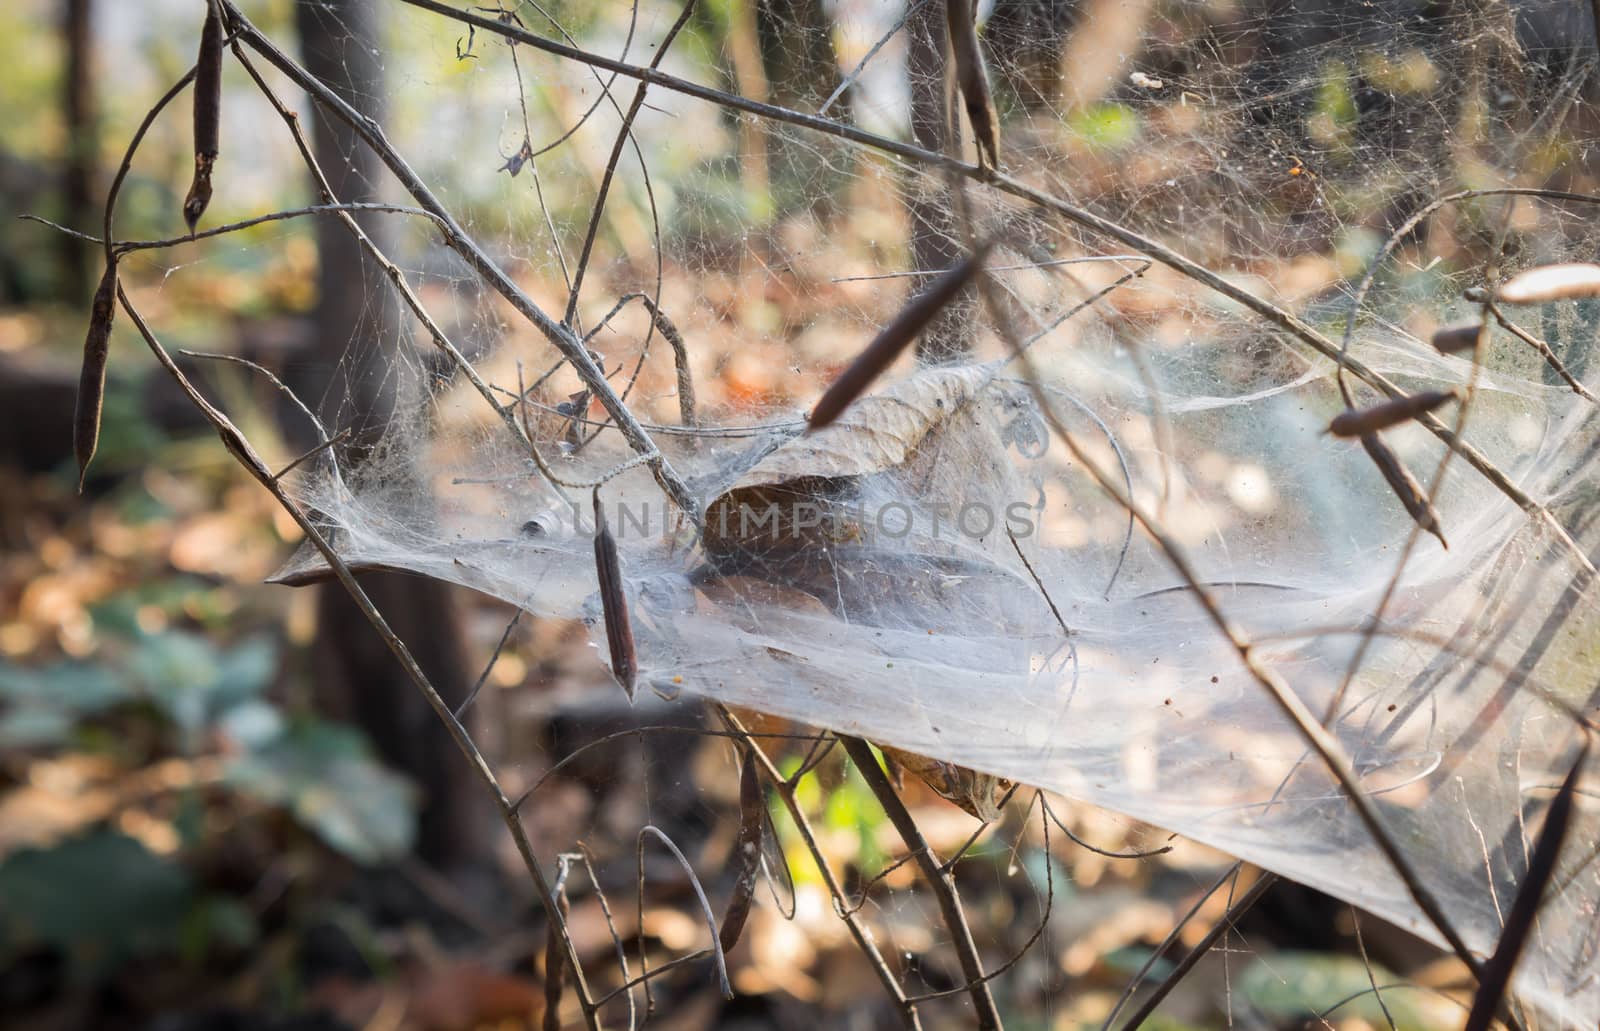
column 1277, row 316
column 1203, row 946
column 700, row 896
column 241, row 449
column 1543, row 348
column 314, row 451
column 1293, row 707
column 786, row 792
column 1166, row 943
column 457, row 360
column 624, row 134
column 472, row 695
column 267, row 374
column 561, row 336
column 1039, row 929
column 680, row 352
column 128, row 246
column 942, row 883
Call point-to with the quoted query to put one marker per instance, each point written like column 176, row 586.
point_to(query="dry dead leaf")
column 974, row 792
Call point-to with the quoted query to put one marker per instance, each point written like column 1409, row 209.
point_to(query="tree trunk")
column 935, row 242
column 352, row 367
column 795, row 38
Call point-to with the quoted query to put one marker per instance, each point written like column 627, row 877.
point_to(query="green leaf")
column 71, row 686
column 33, row 725
column 325, row 776
column 100, row 897
column 1107, row 126
column 119, row 614
column 245, row 671
column 193, row 682
column 42, row 706
column 218, row 921
column 1291, row 986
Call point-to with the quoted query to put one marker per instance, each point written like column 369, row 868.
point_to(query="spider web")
column 1280, row 148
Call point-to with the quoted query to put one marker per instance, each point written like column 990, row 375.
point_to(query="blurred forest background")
column 223, row 806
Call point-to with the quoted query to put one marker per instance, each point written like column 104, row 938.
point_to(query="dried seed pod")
column 896, row 337
column 554, row 965
column 207, row 115
column 1567, row 282
column 613, row 601
column 747, row 853
column 1463, row 336
column 972, row 79
column 1404, row 485
column 1360, row 421
column 92, row 379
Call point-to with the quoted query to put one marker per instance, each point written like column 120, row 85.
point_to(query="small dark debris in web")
column 515, row 162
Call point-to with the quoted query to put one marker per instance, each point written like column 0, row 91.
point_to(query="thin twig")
column 680, row 353
column 1543, row 348
column 1366, row 963
column 651, row 974
column 559, row 335
column 624, row 134
column 662, row 728
column 924, row 273
column 942, row 884
column 1203, row 946
column 611, row 929
column 949, row 865
column 472, row 695
column 129, row 246
column 1172, row 936
column 1284, row 320
column 217, row 356
column 1038, row 583
column 316, row 450
column 458, row 361
column 699, row 893
column 1293, row 707
column 241, row 449
column 1096, row 849
column 1038, row 931
column 861, row 66
column 786, row 792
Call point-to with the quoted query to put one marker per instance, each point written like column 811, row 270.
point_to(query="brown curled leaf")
column 92, row 379
column 973, row 792
column 972, row 79
column 1496, row 976
column 896, row 772
column 1404, row 485
column 555, row 962
column 896, row 337
column 746, row 853
column 1454, row 339
column 1357, row 422
column 1566, row 282
column 207, row 115
column 613, row 601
